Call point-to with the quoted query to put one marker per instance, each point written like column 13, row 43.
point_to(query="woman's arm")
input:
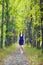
column 24, row 38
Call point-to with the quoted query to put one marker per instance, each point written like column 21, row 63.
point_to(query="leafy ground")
column 35, row 55
column 6, row 51
column 16, row 58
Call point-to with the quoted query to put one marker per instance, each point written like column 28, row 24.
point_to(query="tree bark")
column 2, row 23
column 7, row 20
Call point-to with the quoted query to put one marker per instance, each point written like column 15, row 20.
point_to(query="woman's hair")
column 20, row 33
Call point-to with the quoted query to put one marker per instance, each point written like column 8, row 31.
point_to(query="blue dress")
column 21, row 41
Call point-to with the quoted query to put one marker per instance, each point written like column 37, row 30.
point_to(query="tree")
column 2, row 23
column 7, row 22
column 41, row 9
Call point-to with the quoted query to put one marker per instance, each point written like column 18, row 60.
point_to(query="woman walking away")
column 21, row 41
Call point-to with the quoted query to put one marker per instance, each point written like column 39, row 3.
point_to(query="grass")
column 6, row 51
column 34, row 55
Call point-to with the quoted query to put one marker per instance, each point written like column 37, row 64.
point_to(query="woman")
column 21, row 41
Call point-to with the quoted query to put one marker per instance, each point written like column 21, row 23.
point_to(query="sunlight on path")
column 16, row 58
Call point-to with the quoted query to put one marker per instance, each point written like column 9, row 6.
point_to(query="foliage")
column 22, row 15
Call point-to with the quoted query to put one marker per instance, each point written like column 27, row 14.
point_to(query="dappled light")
column 25, row 16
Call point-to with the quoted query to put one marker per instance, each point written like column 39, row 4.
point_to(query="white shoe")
column 21, row 51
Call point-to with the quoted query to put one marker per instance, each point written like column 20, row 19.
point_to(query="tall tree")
column 41, row 7
column 2, row 23
column 7, row 20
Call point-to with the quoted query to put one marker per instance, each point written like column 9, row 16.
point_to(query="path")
column 16, row 58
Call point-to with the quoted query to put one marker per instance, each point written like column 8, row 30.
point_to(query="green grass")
column 6, row 51
column 34, row 55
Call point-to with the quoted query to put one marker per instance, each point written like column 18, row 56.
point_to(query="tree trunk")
column 2, row 23
column 38, row 35
column 7, row 20
column 42, row 39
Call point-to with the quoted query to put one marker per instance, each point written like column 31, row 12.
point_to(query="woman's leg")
column 21, row 48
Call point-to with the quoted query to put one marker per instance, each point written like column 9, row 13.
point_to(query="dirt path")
column 16, row 58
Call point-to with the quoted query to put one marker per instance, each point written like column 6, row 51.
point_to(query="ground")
column 13, row 56
column 16, row 58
